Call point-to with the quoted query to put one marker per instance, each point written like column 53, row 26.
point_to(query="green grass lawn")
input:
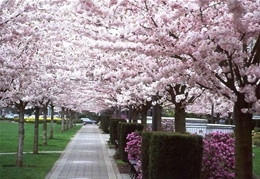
column 34, row 166
column 256, row 164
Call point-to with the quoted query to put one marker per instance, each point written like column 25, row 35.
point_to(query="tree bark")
column 243, row 142
column 135, row 115
column 157, row 118
column 36, row 130
column 67, row 119
column 19, row 156
column 71, row 119
column 51, row 123
column 212, row 114
column 180, row 123
column 144, row 119
column 76, row 118
column 145, row 107
column 62, row 119
column 44, row 142
column 130, row 114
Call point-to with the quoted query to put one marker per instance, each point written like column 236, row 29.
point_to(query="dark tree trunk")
column 19, row 156
column 62, row 119
column 243, row 135
column 229, row 121
column 118, row 111
column 71, row 119
column 76, row 118
column 130, row 114
column 134, row 115
column 36, row 130
column 217, row 118
column 144, row 119
column 180, row 123
column 67, row 119
column 145, row 108
column 51, row 123
column 157, row 118
column 44, row 135
column 212, row 114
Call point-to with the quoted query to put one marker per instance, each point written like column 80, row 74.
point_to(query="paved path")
column 87, row 156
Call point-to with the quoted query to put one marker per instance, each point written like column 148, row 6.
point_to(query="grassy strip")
column 34, row 166
column 256, row 160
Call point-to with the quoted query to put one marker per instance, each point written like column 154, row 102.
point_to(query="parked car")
column 86, row 120
column 10, row 116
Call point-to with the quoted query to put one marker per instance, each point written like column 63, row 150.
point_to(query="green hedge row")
column 113, row 129
column 146, row 138
column 6, row 119
column 171, row 155
column 123, row 130
column 104, row 123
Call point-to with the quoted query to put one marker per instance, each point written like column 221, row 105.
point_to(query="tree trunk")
column 36, row 130
column 135, row 115
column 217, row 118
column 71, row 119
column 51, row 123
column 145, row 107
column 212, row 114
column 62, row 119
column 229, row 121
column 19, row 157
column 180, row 123
column 67, row 119
column 157, row 118
column 243, row 135
column 44, row 125
column 144, row 119
column 76, row 118
column 130, row 114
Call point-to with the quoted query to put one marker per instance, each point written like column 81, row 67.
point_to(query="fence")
column 196, row 125
column 209, row 128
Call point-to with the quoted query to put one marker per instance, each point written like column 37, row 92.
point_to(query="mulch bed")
column 123, row 168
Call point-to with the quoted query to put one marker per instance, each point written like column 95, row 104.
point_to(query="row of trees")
column 92, row 55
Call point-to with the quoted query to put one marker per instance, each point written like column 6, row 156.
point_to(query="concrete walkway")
column 87, row 156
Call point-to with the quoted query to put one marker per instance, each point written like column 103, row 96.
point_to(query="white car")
column 86, row 120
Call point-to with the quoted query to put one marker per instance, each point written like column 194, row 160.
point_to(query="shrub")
column 125, row 129
column 175, row 155
column 105, row 123
column 133, row 149
column 146, row 137
column 133, row 146
column 113, row 129
column 256, row 139
column 218, row 156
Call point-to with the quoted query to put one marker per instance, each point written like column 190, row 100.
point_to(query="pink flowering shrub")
column 133, row 148
column 139, row 166
column 218, row 156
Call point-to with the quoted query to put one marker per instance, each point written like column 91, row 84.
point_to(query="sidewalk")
column 87, row 156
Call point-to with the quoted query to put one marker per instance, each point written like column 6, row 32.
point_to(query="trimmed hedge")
column 6, row 119
column 113, row 129
column 175, row 155
column 125, row 129
column 146, row 138
column 105, row 123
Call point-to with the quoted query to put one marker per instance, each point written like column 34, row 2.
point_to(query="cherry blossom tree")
column 21, row 50
column 217, row 40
